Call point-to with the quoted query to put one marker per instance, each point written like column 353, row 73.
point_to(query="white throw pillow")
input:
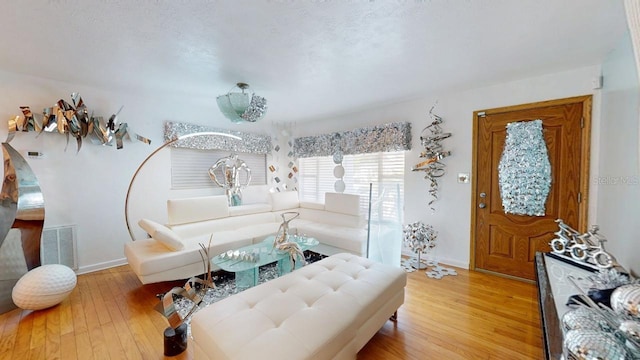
column 169, row 239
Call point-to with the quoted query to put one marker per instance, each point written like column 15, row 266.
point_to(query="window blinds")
column 190, row 168
column 384, row 169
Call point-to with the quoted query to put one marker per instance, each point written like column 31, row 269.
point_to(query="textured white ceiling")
column 310, row 59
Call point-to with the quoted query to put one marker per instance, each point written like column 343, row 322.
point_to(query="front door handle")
column 482, row 205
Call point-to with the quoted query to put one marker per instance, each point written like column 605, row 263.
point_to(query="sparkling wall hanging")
column 73, row 120
column 379, row 138
column 524, row 171
column 241, row 142
column 283, row 163
column 431, row 138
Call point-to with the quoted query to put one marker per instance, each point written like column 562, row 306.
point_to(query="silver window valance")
column 379, row 138
column 250, row 143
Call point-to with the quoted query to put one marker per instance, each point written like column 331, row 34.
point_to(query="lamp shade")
column 242, row 106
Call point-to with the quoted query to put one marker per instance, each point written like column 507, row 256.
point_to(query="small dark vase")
column 598, row 296
column 175, row 340
column 601, row 296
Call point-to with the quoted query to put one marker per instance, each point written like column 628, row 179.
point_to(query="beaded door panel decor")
column 524, row 171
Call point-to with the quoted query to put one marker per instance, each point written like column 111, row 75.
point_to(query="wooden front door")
column 507, row 243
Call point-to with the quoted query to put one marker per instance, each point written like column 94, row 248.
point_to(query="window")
column 190, row 167
column 385, row 170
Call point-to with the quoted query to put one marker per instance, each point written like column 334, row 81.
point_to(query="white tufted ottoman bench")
column 326, row 310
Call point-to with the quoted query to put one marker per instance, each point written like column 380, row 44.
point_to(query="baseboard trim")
column 101, row 266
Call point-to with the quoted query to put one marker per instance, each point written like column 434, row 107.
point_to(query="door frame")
column 585, row 158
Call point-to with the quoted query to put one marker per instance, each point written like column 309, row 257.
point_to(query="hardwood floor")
column 110, row 315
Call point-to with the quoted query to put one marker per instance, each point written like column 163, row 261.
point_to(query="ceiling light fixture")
column 242, row 106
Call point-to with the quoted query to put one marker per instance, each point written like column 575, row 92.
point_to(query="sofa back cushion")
column 348, row 204
column 330, row 218
column 255, row 194
column 284, row 200
column 189, row 210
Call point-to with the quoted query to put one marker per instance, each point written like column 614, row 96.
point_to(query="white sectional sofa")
column 173, row 251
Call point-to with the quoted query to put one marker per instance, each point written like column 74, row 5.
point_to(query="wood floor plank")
column 68, row 346
column 11, row 322
column 110, row 315
column 52, row 337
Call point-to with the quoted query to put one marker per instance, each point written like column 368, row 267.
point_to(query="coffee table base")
column 249, row 278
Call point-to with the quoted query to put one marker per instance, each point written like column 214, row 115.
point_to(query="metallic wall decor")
column 74, row 120
column 238, row 141
column 524, row 171
column 21, row 222
column 231, row 167
column 379, row 138
column 430, row 138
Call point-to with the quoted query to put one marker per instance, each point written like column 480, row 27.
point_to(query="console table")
column 554, row 289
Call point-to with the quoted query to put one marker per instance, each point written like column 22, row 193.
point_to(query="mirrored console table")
column 554, row 289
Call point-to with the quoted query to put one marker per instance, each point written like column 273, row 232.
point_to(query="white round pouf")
column 43, row 287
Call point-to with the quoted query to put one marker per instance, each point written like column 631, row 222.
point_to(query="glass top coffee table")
column 245, row 262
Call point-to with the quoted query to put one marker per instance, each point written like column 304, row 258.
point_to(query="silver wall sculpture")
column 21, row 221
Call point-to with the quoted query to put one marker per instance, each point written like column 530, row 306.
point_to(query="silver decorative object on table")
column 593, row 345
column 21, row 222
column 587, row 247
column 282, row 235
column 524, row 171
column 231, row 167
column 626, row 300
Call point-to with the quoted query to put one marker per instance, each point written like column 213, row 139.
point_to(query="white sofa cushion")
column 169, row 239
column 224, row 224
column 331, row 218
column 311, row 205
column 284, row 200
column 255, row 194
column 249, row 209
column 182, row 211
column 348, row 204
column 149, row 226
column 162, row 234
column 353, row 240
column 148, row 256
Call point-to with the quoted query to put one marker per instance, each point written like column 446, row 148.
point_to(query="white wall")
column 452, row 216
column 619, row 181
